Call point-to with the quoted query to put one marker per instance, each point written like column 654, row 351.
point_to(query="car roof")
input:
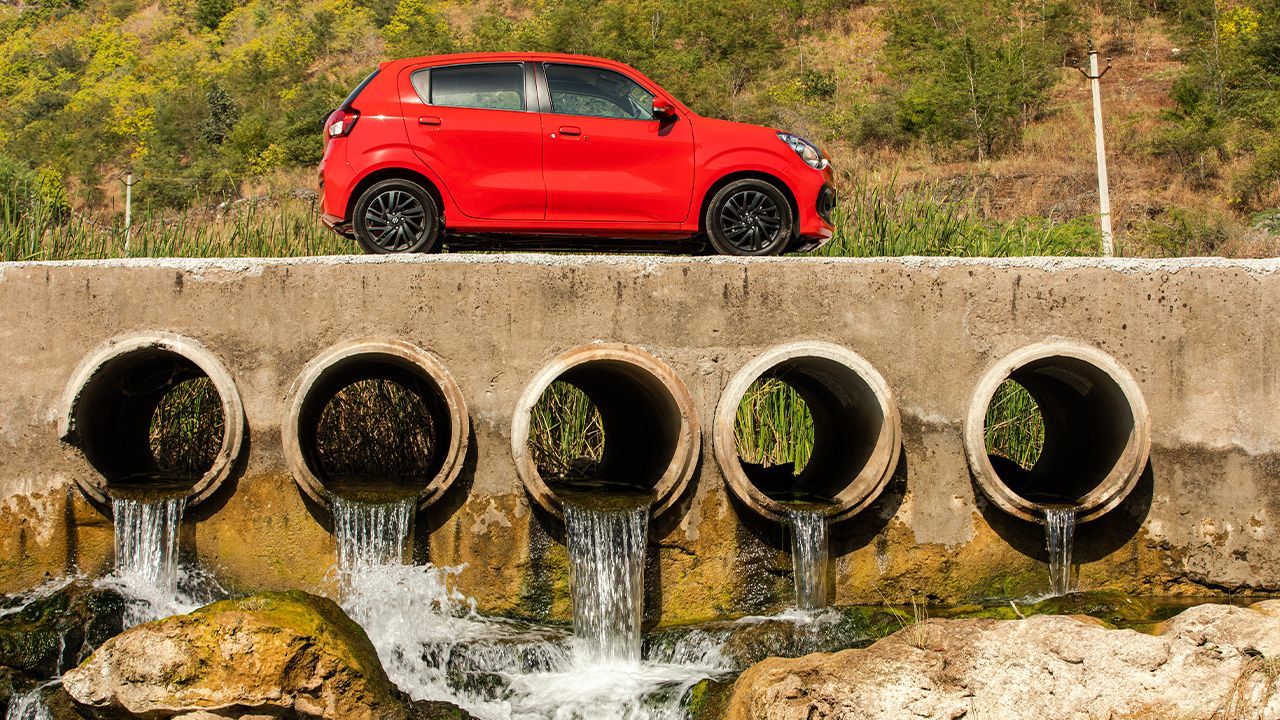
column 496, row 56
column 395, row 66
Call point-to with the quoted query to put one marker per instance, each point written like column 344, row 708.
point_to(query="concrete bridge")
column 1158, row 381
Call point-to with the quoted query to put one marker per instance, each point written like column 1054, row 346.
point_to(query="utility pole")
column 128, row 208
column 1104, row 194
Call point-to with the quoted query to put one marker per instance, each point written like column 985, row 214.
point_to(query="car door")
column 606, row 157
column 475, row 125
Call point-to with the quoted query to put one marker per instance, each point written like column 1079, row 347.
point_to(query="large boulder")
column 276, row 655
column 1212, row 661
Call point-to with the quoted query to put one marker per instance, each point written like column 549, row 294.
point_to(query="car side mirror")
column 663, row 110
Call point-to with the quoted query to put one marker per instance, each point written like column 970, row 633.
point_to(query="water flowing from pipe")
column 606, row 576
column 146, row 545
column 372, row 534
column 810, row 551
column 1060, row 528
column 435, row 646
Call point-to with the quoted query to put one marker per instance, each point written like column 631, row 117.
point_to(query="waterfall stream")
column 809, row 557
column 606, row 576
column 372, row 534
column 146, row 545
column 146, row 533
column 30, row 704
column 1060, row 528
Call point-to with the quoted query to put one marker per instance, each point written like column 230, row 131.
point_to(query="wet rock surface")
column 1210, row 661
column 747, row 641
column 276, row 655
column 48, row 630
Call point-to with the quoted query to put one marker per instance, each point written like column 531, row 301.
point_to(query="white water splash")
column 30, row 704
column 1060, row 527
column 147, row 571
column 436, row 647
column 372, row 533
column 809, row 557
column 606, row 577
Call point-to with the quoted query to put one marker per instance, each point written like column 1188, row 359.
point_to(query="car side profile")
column 556, row 147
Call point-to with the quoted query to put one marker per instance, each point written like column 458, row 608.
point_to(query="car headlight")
column 807, row 151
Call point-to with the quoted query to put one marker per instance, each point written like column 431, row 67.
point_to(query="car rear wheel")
column 396, row 216
column 749, row 217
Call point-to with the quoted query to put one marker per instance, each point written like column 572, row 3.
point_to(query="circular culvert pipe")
column 113, row 398
column 1097, row 434
column 651, row 433
column 857, row 430
column 405, row 365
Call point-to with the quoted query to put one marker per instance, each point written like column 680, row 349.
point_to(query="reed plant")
column 877, row 219
column 283, row 228
column 566, row 433
column 1014, row 425
column 774, row 426
column 186, row 428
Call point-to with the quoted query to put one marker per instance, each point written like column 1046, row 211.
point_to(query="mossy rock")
column 748, row 641
column 1113, row 608
column 438, row 710
column 47, row 632
column 709, row 699
column 286, row 653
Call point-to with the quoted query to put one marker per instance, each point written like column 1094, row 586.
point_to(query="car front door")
column 477, row 128
column 606, row 157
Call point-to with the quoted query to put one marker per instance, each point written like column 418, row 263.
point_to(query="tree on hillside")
column 973, row 72
column 1228, row 102
column 417, row 27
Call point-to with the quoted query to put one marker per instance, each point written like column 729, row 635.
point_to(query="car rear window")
column 346, row 104
column 491, row 86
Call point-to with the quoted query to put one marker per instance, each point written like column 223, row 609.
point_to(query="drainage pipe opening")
column 155, row 415
column 376, row 422
column 1096, row 432
column 646, row 445
column 854, row 437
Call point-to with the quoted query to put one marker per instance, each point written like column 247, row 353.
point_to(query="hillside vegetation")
column 958, row 127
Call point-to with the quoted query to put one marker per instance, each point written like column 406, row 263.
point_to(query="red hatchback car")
column 558, row 147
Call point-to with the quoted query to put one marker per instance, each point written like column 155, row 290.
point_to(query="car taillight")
column 340, row 123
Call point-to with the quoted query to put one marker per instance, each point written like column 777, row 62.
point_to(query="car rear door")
column 607, row 158
column 476, row 126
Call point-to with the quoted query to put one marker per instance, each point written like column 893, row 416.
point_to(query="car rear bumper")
column 336, row 181
column 337, row 224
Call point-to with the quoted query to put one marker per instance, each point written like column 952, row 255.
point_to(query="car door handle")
column 570, row 130
column 429, row 120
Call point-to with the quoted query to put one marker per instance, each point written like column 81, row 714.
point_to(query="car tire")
column 749, row 218
column 396, row 216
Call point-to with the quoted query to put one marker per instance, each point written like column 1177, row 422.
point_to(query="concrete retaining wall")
column 1198, row 337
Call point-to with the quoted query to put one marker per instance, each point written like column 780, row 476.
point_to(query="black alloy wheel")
column 396, row 216
column 749, row 217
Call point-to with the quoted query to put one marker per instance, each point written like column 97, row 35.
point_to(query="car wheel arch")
column 396, row 173
column 724, row 180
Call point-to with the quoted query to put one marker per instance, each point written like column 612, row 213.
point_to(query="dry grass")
column 377, row 429
column 1252, row 690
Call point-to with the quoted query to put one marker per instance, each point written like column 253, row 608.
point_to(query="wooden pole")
column 1100, row 145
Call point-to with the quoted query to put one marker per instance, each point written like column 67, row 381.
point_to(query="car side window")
column 491, row 86
column 597, row 92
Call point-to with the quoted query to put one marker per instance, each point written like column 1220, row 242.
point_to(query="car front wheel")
column 749, row 217
column 396, row 216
